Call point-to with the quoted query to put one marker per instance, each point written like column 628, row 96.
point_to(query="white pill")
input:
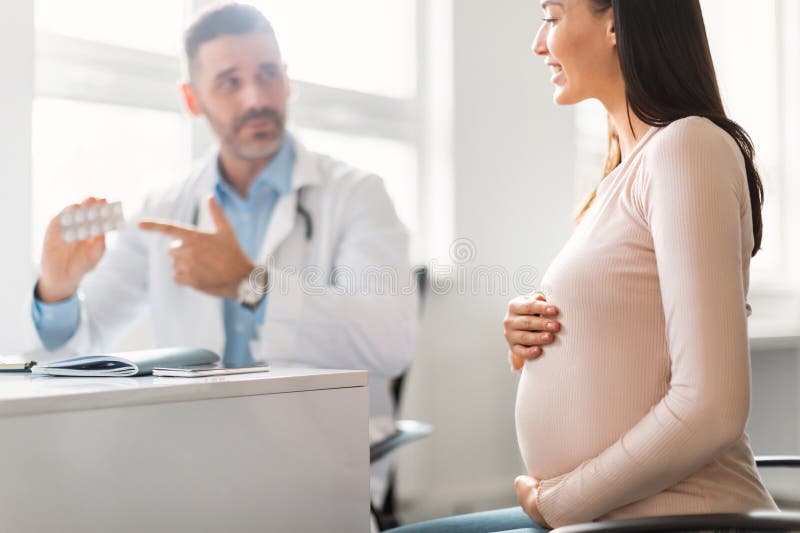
column 69, row 236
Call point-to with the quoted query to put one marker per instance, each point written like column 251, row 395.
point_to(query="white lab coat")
column 341, row 321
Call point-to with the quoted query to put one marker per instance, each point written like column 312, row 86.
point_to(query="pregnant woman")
column 638, row 405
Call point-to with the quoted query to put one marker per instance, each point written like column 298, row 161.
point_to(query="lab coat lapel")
column 204, row 220
column 204, row 309
column 280, row 225
column 284, row 215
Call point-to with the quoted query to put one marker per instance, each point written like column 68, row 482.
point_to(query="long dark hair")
column 666, row 63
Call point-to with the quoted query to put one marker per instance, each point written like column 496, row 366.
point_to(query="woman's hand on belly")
column 528, row 326
column 527, row 493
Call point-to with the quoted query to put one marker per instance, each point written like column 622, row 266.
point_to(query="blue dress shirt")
column 56, row 323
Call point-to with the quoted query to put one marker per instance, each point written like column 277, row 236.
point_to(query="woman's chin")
column 563, row 96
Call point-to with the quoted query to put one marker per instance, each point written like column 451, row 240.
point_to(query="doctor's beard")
column 257, row 145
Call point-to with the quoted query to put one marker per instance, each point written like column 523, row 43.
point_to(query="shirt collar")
column 277, row 174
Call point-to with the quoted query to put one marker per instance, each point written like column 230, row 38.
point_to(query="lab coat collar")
column 306, row 171
column 277, row 174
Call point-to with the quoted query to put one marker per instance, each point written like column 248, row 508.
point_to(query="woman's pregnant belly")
column 607, row 367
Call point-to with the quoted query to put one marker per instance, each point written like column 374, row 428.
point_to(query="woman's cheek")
column 552, row 40
column 555, row 44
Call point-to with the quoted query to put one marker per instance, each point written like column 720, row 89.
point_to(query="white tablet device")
column 206, row 370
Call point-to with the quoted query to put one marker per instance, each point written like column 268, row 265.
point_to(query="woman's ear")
column 611, row 33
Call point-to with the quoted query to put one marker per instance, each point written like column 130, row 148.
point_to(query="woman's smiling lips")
column 556, row 69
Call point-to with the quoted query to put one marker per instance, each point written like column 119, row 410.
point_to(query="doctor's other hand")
column 528, row 326
column 65, row 263
column 211, row 262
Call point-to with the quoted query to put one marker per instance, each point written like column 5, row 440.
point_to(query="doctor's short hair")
column 225, row 19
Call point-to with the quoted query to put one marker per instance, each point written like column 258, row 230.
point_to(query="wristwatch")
column 253, row 288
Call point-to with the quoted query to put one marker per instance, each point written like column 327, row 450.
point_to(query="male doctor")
column 268, row 252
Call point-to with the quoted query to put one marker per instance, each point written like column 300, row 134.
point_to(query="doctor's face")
column 239, row 83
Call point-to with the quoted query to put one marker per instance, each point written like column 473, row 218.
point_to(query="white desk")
column 282, row 451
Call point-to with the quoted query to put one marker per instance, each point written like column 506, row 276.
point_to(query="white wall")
column 513, row 169
column 16, row 57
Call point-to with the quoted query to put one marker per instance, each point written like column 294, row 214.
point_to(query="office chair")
column 406, row 431
column 756, row 521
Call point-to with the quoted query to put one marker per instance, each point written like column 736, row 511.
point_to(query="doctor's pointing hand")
column 211, row 262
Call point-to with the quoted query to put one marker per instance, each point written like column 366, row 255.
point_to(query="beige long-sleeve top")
column 639, row 407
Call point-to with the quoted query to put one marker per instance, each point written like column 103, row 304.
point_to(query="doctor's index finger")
column 179, row 231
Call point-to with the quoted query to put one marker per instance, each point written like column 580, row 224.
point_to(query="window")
column 107, row 119
column 751, row 101
column 116, row 23
column 356, row 87
column 374, row 58
column 106, row 93
column 85, row 149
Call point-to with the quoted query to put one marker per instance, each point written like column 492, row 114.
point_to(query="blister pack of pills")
column 81, row 223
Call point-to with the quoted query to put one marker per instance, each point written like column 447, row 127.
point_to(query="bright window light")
column 362, row 45
column 757, row 114
column 86, row 149
column 151, row 25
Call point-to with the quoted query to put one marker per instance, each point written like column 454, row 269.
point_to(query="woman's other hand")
column 527, row 494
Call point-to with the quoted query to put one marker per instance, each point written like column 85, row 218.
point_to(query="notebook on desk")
column 135, row 363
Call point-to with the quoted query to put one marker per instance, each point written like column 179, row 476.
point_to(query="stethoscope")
column 299, row 209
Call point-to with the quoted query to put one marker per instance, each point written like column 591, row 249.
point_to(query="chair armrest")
column 777, row 460
column 757, row 520
column 405, row 431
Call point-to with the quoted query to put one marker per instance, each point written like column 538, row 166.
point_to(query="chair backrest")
column 421, row 282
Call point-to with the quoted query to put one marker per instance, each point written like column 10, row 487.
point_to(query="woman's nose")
column 539, row 46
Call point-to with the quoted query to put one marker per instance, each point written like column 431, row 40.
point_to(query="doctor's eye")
column 230, row 84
